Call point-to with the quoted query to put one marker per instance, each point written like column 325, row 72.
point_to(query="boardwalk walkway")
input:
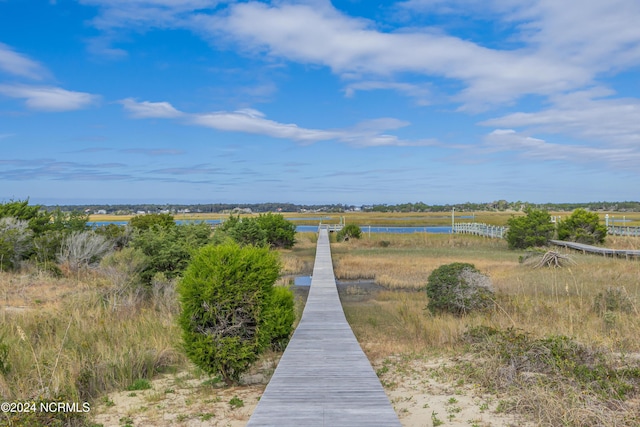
column 596, row 249
column 324, row 377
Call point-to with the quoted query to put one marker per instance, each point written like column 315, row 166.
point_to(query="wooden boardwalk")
column 596, row 249
column 324, row 377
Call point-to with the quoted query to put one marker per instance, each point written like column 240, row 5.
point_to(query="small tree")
column 582, row 227
column 458, row 288
column 145, row 222
column 229, row 311
column 169, row 248
column 269, row 229
column 533, row 229
column 278, row 231
column 349, row 231
column 38, row 219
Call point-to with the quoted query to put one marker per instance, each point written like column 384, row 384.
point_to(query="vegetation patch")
column 458, row 288
column 555, row 358
column 230, row 311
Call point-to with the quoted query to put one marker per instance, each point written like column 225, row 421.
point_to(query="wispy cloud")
column 201, row 169
column 561, row 46
column 365, row 134
column 20, row 65
column 146, row 13
column 34, row 169
column 48, row 98
column 146, row 109
column 420, row 93
column 253, row 121
column 527, row 147
column 354, row 47
column 586, row 114
column 154, row 151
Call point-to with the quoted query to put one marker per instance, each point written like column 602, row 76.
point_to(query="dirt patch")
column 418, row 396
column 421, row 398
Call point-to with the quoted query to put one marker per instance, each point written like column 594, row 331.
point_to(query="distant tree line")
column 503, row 205
column 497, row 206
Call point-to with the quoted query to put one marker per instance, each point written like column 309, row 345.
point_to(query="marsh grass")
column 77, row 346
column 593, row 303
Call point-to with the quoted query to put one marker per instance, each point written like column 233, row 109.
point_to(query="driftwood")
column 553, row 259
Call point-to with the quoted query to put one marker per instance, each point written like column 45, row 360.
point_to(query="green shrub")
column 120, row 235
column 228, row 312
column 458, row 288
column 349, row 231
column 278, row 231
column 612, row 300
column 168, row 249
column 279, row 317
column 139, row 384
column 582, row 227
column 148, row 221
column 247, row 231
column 556, row 356
column 268, row 229
column 38, row 219
column 534, row 229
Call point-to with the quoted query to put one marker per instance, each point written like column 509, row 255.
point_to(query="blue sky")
column 350, row 101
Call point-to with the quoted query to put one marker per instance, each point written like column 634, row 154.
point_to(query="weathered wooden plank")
column 324, row 377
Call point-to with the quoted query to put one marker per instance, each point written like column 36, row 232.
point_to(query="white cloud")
column 365, row 134
column 564, row 45
column 20, row 65
column 527, row 147
column 598, row 35
column 354, row 47
column 584, row 114
column 420, row 93
column 252, row 121
column 48, row 98
column 145, row 13
column 147, row 110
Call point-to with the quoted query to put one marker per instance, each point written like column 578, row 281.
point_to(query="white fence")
column 617, row 230
column 499, row 232
column 479, row 229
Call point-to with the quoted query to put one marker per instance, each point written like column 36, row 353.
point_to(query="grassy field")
column 394, row 218
column 77, row 337
column 593, row 303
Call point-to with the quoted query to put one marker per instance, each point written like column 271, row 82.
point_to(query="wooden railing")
column 330, row 227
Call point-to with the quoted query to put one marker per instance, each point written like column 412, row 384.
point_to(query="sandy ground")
column 418, row 395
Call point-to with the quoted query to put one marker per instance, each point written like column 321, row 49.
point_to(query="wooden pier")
column 324, row 377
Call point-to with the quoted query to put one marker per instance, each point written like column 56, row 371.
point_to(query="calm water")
column 382, row 229
column 314, row 228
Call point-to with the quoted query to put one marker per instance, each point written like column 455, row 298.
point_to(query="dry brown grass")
column 68, row 340
column 299, row 260
column 542, row 302
column 406, row 261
